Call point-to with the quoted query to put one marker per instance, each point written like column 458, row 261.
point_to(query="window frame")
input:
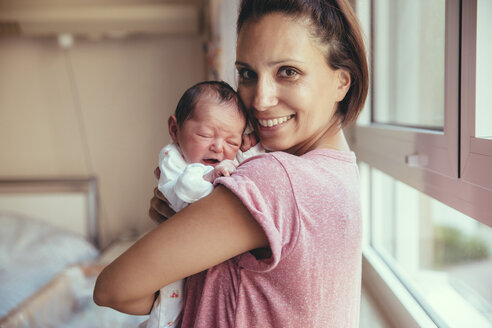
column 476, row 153
column 449, row 166
column 439, row 164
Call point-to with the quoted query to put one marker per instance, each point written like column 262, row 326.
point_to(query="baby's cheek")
column 231, row 152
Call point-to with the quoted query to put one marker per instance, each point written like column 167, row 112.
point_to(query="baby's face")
column 212, row 134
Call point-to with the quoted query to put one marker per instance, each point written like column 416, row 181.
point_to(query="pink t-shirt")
column 309, row 208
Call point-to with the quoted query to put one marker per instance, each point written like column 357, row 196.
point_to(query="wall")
column 226, row 31
column 99, row 108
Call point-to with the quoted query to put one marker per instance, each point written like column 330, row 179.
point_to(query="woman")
column 277, row 243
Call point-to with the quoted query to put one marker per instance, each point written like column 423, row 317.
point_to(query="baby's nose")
column 217, row 146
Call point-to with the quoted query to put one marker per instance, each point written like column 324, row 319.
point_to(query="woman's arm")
column 202, row 235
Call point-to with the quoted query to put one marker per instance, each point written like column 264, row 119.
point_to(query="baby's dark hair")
column 220, row 90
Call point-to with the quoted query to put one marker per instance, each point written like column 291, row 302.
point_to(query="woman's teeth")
column 275, row 121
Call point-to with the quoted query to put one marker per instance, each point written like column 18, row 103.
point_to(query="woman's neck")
column 329, row 138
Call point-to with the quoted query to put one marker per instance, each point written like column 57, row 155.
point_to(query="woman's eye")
column 246, row 74
column 287, row 72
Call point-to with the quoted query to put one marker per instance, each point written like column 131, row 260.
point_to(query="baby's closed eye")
column 233, row 143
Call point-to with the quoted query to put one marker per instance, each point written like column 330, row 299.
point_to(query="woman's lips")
column 269, row 123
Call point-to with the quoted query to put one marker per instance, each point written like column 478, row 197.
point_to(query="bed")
column 50, row 255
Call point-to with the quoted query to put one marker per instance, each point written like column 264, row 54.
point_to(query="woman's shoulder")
column 283, row 169
column 312, row 157
column 267, row 166
column 261, row 159
column 258, row 177
column 259, row 168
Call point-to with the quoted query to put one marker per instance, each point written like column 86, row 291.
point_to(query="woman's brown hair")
column 336, row 26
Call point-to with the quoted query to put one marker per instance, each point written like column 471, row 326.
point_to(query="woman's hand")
column 159, row 206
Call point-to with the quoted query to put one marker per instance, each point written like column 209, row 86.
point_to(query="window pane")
column 409, row 62
column 483, row 117
column 442, row 256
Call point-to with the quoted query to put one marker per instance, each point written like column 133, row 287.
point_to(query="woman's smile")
column 274, row 122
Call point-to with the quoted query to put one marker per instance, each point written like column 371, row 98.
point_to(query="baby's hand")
column 249, row 141
column 224, row 168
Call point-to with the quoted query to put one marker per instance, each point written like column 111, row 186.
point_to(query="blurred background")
column 86, row 88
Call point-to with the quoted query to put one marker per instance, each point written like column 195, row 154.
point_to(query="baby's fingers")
column 246, row 144
column 225, row 171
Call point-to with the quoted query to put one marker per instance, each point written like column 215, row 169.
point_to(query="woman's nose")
column 265, row 94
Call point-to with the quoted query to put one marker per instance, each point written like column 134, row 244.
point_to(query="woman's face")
column 286, row 84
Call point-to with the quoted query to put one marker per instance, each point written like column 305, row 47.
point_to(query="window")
column 425, row 146
column 476, row 109
column 484, row 70
column 401, row 66
column 443, row 257
column 416, row 142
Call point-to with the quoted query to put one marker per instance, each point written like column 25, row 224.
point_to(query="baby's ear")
column 173, row 128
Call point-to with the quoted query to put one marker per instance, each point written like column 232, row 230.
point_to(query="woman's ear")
column 172, row 123
column 344, row 81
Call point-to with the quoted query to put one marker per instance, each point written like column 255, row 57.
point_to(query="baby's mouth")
column 210, row 161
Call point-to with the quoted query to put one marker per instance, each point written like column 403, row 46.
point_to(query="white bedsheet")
column 31, row 254
column 88, row 314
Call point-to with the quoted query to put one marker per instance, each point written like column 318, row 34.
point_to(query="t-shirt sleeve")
column 264, row 187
